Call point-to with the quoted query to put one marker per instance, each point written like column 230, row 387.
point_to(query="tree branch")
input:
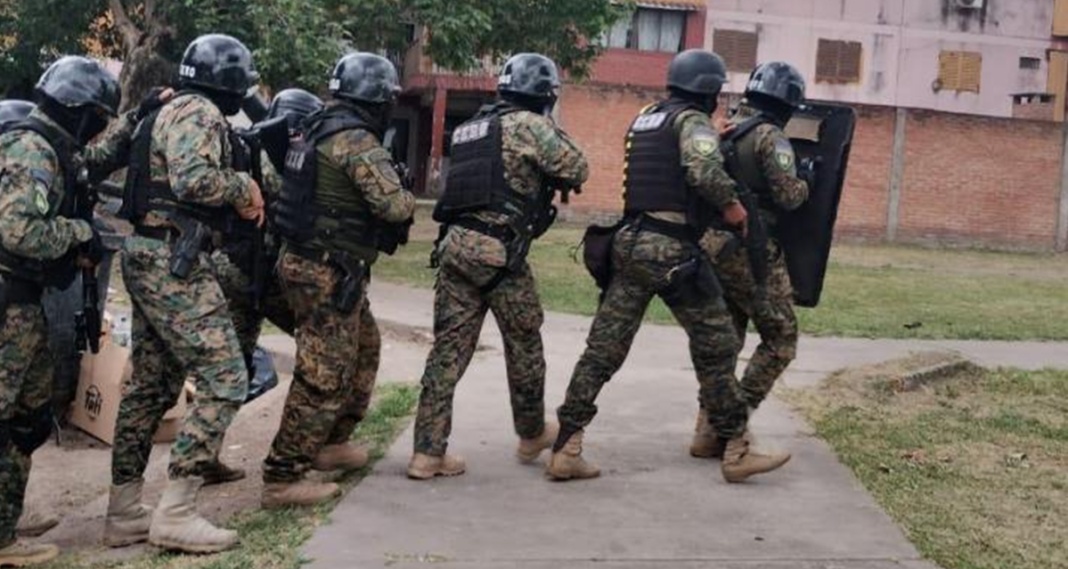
column 131, row 35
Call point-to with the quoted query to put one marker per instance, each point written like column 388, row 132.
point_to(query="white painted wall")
column 901, row 43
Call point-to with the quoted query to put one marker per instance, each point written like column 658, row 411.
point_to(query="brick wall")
column 983, row 181
column 598, row 117
column 966, row 180
column 863, row 211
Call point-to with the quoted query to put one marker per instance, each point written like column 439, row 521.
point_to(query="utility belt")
column 502, row 233
column 187, row 242
column 677, row 231
column 354, row 273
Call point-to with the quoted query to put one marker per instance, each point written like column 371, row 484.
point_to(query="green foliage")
column 30, row 38
column 297, row 41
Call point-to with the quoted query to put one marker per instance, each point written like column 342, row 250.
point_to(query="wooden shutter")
column 738, row 49
column 960, row 71
column 838, row 61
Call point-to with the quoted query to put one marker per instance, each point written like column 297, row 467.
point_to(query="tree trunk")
column 143, row 69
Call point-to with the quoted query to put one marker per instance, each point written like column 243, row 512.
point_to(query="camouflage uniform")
column 337, row 353
column 247, row 316
column 534, row 149
column 643, row 260
column 773, row 312
column 181, row 328
column 30, row 227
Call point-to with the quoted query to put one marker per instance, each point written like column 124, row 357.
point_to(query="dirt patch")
column 970, row 463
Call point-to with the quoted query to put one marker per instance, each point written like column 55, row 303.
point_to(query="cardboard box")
column 96, row 405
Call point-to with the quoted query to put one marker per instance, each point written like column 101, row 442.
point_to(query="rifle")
column 391, row 236
column 87, row 323
column 248, row 147
column 755, row 239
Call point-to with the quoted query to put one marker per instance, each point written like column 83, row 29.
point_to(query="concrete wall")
column 901, row 42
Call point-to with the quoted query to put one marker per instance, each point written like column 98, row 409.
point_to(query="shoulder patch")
column 705, row 141
column 646, row 123
column 784, row 154
column 471, row 132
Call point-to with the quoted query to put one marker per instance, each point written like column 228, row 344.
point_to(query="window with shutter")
column 960, row 71
column 738, row 49
column 838, row 61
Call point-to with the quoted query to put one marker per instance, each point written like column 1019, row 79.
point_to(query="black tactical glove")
column 150, row 103
column 806, row 171
column 93, row 250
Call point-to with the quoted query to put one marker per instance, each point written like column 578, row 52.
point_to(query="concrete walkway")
column 654, row 505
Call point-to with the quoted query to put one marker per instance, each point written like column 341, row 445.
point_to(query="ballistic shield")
column 823, row 135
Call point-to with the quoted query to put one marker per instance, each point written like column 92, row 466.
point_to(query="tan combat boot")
column 128, row 519
column 23, row 554
column 177, row 526
column 530, row 449
column 220, row 473
column 740, row 462
column 300, row 493
column 568, row 464
column 705, row 442
column 424, row 467
column 344, row 457
column 34, row 523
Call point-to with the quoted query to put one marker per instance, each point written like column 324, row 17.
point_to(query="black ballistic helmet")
column 529, row 75
column 220, row 63
column 294, row 105
column 697, row 72
column 74, row 81
column 13, row 111
column 777, row 81
column 365, row 78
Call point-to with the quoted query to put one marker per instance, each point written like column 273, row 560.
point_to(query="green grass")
column 972, row 467
column 871, row 291
column 273, row 539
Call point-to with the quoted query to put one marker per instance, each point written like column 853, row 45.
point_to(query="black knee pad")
column 29, row 432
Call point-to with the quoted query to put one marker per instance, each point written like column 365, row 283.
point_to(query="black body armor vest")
column 476, row 180
column 299, row 214
column 655, row 179
column 59, row 273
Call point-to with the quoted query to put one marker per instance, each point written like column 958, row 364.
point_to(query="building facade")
column 961, row 137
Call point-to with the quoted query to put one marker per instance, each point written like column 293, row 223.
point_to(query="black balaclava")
column 539, row 105
column 774, row 109
column 82, row 123
column 707, row 103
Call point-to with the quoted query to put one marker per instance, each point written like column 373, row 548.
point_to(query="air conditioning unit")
column 969, row 4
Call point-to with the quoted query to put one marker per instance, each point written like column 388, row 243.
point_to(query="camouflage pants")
column 643, row 261
column 181, row 329
column 249, row 318
column 337, row 362
column 460, row 307
column 25, row 387
column 773, row 316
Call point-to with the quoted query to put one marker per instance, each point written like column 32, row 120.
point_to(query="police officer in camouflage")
column 245, row 265
column 46, row 236
column 342, row 203
column 675, row 180
column 507, row 163
column 764, row 161
column 183, row 195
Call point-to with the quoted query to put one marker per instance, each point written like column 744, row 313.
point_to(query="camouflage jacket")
column 32, row 186
column 777, row 161
column 191, row 152
column 369, row 166
column 534, row 149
